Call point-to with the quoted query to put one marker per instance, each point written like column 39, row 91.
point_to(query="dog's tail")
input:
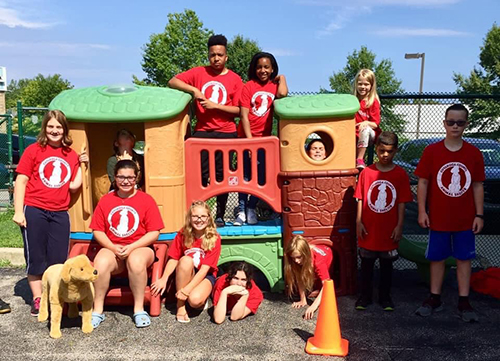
column 43, row 315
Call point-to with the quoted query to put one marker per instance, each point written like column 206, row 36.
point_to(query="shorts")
column 211, row 278
column 389, row 255
column 461, row 245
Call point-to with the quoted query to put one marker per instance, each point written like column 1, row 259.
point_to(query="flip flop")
column 141, row 319
column 97, row 318
column 182, row 318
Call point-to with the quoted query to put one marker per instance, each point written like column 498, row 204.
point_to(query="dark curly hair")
column 240, row 266
column 252, row 74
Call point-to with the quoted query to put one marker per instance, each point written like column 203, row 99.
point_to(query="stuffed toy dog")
column 70, row 282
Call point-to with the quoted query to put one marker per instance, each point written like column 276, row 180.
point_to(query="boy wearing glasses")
column 450, row 174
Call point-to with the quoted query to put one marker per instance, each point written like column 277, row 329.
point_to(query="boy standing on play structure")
column 216, row 92
column 382, row 191
column 450, row 174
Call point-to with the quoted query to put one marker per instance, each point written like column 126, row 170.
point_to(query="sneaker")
column 35, row 307
column 387, row 304
column 362, row 303
column 240, row 219
column 219, row 222
column 429, row 307
column 468, row 314
column 251, row 216
column 4, row 307
column 360, row 164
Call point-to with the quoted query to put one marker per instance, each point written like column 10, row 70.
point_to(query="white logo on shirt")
column 382, row 204
column 197, row 254
column 261, row 103
column 122, row 226
column 215, row 92
column 319, row 251
column 459, row 179
column 59, row 174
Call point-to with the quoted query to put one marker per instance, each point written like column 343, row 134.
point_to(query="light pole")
column 418, row 56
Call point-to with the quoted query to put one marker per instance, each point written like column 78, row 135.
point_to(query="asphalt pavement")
column 276, row 332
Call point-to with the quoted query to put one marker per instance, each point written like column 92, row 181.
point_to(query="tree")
column 180, row 47
column 484, row 79
column 387, row 83
column 240, row 52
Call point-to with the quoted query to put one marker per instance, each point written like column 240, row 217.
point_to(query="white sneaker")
column 240, row 219
column 251, row 216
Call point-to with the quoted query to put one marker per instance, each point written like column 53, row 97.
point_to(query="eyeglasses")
column 203, row 218
column 122, row 178
column 451, row 123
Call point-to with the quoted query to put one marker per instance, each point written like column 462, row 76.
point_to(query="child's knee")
column 185, row 264
column 196, row 300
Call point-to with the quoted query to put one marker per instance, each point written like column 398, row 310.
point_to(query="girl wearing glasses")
column 125, row 223
column 193, row 255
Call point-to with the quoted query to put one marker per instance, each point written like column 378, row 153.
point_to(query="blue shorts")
column 211, row 278
column 461, row 245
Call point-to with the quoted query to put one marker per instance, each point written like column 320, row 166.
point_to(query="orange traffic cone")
column 327, row 339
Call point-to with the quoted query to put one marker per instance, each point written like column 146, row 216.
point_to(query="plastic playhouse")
column 314, row 197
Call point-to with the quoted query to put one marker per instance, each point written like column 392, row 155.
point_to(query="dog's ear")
column 65, row 276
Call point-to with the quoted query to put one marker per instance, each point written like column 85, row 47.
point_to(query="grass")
column 10, row 236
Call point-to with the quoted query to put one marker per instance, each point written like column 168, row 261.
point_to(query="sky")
column 93, row 43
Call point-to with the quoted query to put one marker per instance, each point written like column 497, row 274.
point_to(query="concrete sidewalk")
column 276, row 332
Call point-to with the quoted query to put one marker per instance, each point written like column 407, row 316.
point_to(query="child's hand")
column 309, row 312
column 235, row 290
column 83, row 157
column 478, row 225
column 125, row 156
column 277, row 80
column 207, row 104
column 159, row 286
column 299, row 304
column 361, row 230
column 397, row 233
column 363, row 125
column 182, row 295
column 198, row 95
column 423, row 220
column 125, row 251
column 19, row 219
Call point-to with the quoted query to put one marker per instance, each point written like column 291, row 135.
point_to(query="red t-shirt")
column 50, row 171
column 221, row 89
column 200, row 257
column 449, row 194
column 255, row 296
column 371, row 114
column 126, row 220
column 381, row 193
column 322, row 258
column 258, row 99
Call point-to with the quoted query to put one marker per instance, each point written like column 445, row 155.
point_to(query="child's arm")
column 360, row 227
column 230, row 109
column 144, row 241
column 76, row 183
column 282, row 87
column 478, row 192
column 303, row 299
column 178, row 84
column 105, row 242
column 423, row 217
column 240, row 309
column 397, row 233
column 19, row 194
column 245, row 122
column 160, row 285
column 311, row 309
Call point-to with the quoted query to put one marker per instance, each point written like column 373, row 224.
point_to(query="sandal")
column 141, row 319
column 97, row 318
column 184, row 318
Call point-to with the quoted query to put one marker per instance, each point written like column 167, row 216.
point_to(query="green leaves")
column 240, row 52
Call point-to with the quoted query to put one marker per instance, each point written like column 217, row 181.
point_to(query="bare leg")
column 463, row 277
column 137, row 263
column 360, row 153
column 105, row 263
column 200, row 293
column 183, row 275
column 35, row 283
column 437, row 276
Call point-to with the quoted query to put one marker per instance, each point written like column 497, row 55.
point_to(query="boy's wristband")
column 480, row 216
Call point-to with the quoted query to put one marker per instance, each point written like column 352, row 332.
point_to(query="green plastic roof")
column 120, row 103
column 316, row 106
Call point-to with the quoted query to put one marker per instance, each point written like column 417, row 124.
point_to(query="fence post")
column 20, row 130
column 9, row 155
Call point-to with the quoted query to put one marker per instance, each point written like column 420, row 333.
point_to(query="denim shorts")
column 461, row 245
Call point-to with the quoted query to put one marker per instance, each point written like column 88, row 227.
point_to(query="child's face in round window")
column 363, row 87
column 264, row 69
column 239, row 279
column 317, row 151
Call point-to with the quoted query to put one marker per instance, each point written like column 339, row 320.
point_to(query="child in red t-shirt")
column 256, row 111
column 306, row 267
column 237, row 293
column 193, row 255
column 368, row 115
column 48, row 171
column 450, row 174
column 383, row 189
column 125, row 222
column 216, row 91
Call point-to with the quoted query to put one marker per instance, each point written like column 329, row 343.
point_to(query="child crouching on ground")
column 382, row 191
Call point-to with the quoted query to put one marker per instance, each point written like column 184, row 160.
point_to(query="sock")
column 435, row 300
column 463, row 303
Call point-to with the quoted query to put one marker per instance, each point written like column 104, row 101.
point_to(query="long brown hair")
column 209, row 237
column 299, row 276
column 61, row 118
